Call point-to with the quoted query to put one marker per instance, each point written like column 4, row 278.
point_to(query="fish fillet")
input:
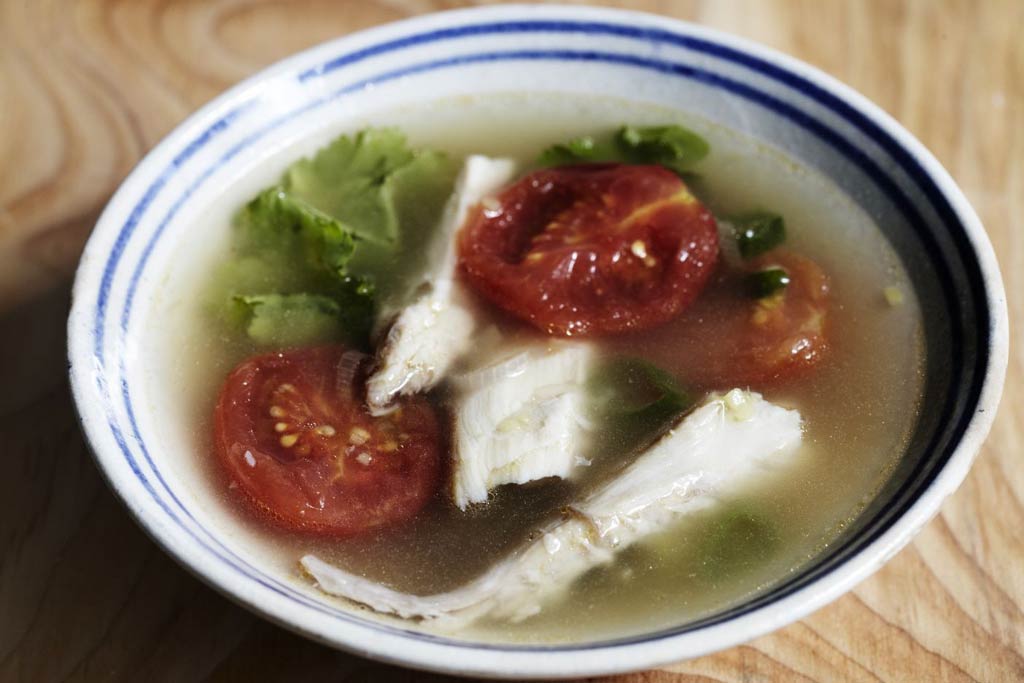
column 429, row 334
column 717, row 450
column 519, row 420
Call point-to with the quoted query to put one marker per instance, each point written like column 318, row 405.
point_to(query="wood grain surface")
column 88, row 87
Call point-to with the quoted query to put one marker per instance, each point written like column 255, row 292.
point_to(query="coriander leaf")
column 339, row 226
column 283, row 320
column 576, row 151
column 298, row 249
column 635, row 401
column 258, row 273
column 349, row 181
column 758, row 232
column 277, row 222
column 674, row 147
column 419, row 191
column 737, row 540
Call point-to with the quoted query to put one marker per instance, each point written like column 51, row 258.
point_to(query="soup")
column 824, row 273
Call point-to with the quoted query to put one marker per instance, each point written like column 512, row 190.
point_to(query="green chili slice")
column 757, row 233
column 765, row 283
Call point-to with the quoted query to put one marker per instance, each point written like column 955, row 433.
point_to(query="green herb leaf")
column 283, row 320
column 287, row 248
column 275, row 221
column 419, row 192
column 758, row 232
column 336, row 228
column 350, row 182
column 576, row 151
column 765, row 283
column 674, row 147
column 738, row 539
column 635, row 401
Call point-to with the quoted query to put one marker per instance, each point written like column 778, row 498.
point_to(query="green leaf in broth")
column 339, row 226
column 737, row 539
column 350, row 181
column 634, row 401
column 285, row 320
column 277, row 226
column 285, row 248
column 419, row 192
column 578, row 150
column 675, row 147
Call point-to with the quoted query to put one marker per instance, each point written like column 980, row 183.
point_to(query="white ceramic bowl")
column 769, row 96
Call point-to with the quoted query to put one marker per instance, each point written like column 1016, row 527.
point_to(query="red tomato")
column 301, row 447
column 728, row 339
column 591, row 249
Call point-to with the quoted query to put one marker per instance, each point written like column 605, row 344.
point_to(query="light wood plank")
column 87, row 87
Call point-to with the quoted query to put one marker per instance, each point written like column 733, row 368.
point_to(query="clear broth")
column 859, row 407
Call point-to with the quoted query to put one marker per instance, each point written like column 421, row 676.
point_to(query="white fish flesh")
column 434, row 330
column 718, row 450
column 519, row 420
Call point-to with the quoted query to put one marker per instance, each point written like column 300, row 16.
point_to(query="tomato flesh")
column 591, row 249
column 728, row 339
column 293, row 437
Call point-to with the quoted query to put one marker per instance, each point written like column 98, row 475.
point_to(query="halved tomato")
column 591, row 249
column 292, row 435
column 730, row 338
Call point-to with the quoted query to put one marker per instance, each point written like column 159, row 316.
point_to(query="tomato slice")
column 591, row 249
column 293, row 436
column 730, row 339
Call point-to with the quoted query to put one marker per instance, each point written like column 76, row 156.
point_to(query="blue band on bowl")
column 956, row 410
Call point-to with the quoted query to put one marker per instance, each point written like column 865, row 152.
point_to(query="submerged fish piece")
column 435, row 329
column 718, row 450
column 519, row 420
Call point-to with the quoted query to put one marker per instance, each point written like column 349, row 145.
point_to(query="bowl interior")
column 147, row 241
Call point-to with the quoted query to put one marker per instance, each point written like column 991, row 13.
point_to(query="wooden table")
column 86, row 88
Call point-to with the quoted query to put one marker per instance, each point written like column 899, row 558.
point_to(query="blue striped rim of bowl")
column 966, row 375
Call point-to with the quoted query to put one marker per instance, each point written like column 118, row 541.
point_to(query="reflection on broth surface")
column 858, row 406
